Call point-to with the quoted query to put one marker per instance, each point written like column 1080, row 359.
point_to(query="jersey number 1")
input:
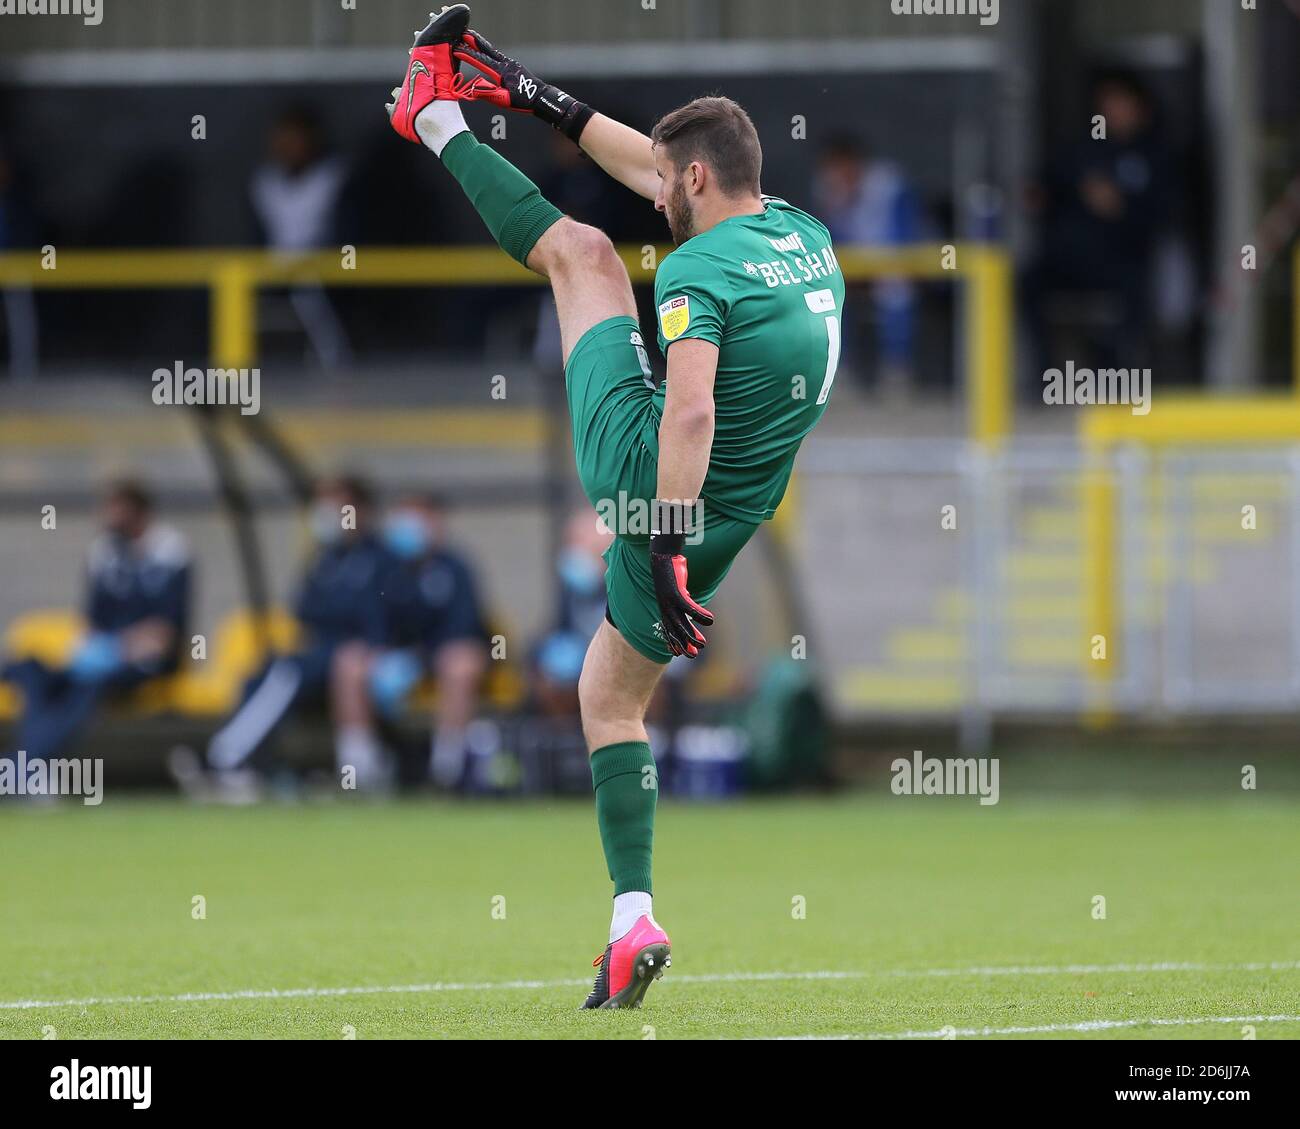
column 822, row 302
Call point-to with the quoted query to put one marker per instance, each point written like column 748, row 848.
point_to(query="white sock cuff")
column 627, row 909
column 438, row 123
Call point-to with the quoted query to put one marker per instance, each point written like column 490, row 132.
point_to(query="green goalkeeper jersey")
column 767, row 290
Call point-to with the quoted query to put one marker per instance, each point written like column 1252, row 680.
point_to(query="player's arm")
column 686, row 430
column 685, row 443
column 623, row 152
column 619, row 149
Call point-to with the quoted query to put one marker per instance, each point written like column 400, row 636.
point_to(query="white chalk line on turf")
column 1046, row 1028
column 700, row 978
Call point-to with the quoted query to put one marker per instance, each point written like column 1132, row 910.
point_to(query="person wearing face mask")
column 138, row 580
column 340, row 608
column 550, row 744
column 580, row 568
column 579, row 611
column 435, row 625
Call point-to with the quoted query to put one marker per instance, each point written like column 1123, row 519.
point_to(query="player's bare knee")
column 601, row 733
column 579, row 246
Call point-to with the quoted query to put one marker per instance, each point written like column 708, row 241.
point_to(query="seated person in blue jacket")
column 434, row 626
column 340, row 603
column 137, row 606
column 556, row 658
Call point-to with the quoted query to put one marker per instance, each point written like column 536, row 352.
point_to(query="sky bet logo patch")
column 674, row 317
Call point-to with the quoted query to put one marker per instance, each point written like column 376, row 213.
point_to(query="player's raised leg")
column 614, row 691
column 588, row 278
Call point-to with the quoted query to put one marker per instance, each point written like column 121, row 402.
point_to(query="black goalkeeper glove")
column 677, row 611
column 521, row 90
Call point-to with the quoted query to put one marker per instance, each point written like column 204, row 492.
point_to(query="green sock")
column 515, row 212
column 627, row 786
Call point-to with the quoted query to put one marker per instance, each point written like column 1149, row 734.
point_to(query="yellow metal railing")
column 1181, row 421
column 1295, row 316
column 233, row 278
column 1187, row 420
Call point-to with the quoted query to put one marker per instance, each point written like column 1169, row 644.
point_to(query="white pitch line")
column 294, row 993
column 701, row 978
column 1048, row 1028
column 1071, row 969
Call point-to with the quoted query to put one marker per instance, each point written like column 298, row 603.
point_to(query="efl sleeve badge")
column 674, row 317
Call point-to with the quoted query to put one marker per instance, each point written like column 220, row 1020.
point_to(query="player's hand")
column 678, row 613
column 519, row 89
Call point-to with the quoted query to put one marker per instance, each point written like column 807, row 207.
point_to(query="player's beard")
column 681, row 220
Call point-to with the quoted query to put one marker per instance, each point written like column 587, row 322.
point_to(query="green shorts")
column 609, row 394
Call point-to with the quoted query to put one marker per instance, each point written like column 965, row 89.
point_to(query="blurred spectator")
column 341, row 602
column 548, row 738
column 869, row 201
column 17, row 231
column 1105, row 204
column 580, row 606
column 557, row 663
column 551, row 747
column 137, row 607
column 434, row 625
column 296, row 196
column 581, row 574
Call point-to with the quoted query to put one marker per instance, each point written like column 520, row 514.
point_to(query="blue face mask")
column 561, row 655
column 406, row 536
column 580, row 572
column 327, row 523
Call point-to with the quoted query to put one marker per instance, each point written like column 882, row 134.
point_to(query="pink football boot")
column 630, row 964
column 432, row 72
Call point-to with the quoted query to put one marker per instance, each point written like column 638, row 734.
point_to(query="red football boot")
column 629, row 965
column 432, row 73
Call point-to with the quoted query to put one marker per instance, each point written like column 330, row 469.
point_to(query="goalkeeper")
column 748, row 317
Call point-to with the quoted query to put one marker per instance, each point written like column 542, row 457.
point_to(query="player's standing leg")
column 591, row 286
column 614, row 692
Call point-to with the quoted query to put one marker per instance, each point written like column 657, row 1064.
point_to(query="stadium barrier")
column 1176, row 429
column 1106, row 474
column 1053, row 544
column 234, row 277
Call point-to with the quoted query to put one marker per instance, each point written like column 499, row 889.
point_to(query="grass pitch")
column 840, row 917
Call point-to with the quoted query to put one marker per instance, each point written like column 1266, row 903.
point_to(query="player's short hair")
column 717, row 132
